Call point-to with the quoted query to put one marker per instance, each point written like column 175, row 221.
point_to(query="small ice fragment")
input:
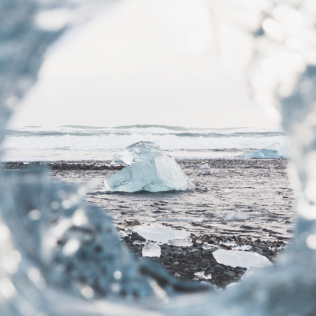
column 205, row 166
column 179, row 243
column 236, row 216
column 160, row 234
column 198, row 241
column 122, row 234
column 151, row 250
column 176, row 274
column 138, row 242
column 276, row 150
column 207, row 246
column 181, row 165
column 242, row 247
column 241, row 259
column 228, row 243
column 201, row 275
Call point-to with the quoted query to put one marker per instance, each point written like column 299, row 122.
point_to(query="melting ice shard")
column 276, row 150
column 150, row 170
column 151, row 250
column 160, row 234
column 241, row 259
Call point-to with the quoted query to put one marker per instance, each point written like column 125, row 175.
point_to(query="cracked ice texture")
column 150, row 170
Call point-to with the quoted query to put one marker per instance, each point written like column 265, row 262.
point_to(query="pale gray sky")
column 132, row 65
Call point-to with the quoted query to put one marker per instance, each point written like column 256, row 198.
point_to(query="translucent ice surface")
column 160, row 234
column 276, row 150
column 151, row 250
column 241, row 259
column 156, row 172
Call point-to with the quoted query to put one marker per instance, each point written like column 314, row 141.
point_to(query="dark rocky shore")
column 259, row 188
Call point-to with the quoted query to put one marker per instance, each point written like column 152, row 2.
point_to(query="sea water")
column 68, row 143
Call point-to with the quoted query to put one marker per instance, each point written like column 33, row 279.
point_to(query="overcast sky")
column 134, row 65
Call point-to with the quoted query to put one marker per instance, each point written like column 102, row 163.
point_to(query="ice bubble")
column 151, row 250
column 156, row 172
column 236, row 216
column 160, row 234
column 205, row 166
column 241, row 259
column 179, row 242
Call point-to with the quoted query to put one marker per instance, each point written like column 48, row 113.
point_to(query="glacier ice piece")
column 236, row 216
column 180, row 242
column 241, row 259
column 205, row 166
column 151, row 250
column 158, row 173
column 160, row 234
column 275, row 150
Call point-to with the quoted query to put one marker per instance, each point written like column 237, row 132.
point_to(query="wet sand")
column 259, row 188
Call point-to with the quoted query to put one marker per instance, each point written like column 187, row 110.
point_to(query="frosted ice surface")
column 180, row 242
column 205, row 166
column 236, row 216
column 160, row 234
column 160, row 173
column 241, row 259
column 151, row 250
column 276, row 150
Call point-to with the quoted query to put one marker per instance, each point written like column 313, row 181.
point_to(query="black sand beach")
column 259, row 188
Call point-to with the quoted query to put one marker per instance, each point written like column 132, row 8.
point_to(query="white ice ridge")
column 160, row 234
column 276, row 150
column 149, row 169
column 151, row 250
column 241, row 259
